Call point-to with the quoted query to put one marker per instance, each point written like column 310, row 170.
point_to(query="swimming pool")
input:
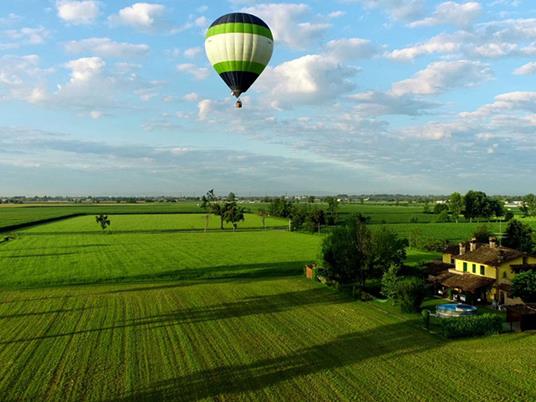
column 455, row 310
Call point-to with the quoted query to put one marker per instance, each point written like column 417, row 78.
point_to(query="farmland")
column 151, row 311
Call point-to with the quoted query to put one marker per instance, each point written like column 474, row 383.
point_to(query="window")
column 482, row 270
column 474, row 268
column 464, row 267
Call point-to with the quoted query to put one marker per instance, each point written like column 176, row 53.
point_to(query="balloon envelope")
column 239, row 46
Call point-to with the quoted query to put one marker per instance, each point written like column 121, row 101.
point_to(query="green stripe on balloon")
column 238, row 27
column 248, row 66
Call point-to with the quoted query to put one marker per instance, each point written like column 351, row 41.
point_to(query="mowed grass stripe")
column 291, row 339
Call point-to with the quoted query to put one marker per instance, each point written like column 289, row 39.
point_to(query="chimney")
column 492, row 242
column 472, row 244
column 462, row 248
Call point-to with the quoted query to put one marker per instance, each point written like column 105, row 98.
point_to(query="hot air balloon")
column 239, row 46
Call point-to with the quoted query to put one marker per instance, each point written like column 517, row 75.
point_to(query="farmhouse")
column 480, row 273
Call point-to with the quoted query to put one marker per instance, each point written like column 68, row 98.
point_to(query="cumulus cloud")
column 495, row 39
column 450, row 12
column 143, row 16
column 310, row 79
column 287, row 22
column 22, row 78
column 526, row 69
column 78, row 12
column 105, row 47
column 27, row 36
column 442, row 75
column 199, row 73
column 443, row 44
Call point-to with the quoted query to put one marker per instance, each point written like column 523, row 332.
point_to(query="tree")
column 508, row 216
column 385, row 249
column 219, row 209
column 455, row 204
column 495, row 207
column 528, row 205
column 426, row 208
column 263, row 213
column 280, row 207
column 231, row 197
column 518, row 235
column 353, row 253
column 344, row 252
column 299, row 214
column 333, row 206
column 443, row 216
column 390, row 283
column 316, row 217
column 233, row 213
column 476, row 205
column 439, row 208
column 103, row 221
column 411, row 292
column 524, row 286
column 311, row 199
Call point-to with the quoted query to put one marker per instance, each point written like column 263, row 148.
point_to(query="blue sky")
column 361, row 96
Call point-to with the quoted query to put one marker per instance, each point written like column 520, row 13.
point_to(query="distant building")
column 476, row 272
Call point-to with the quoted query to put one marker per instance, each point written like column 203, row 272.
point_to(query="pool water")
column 455, row 310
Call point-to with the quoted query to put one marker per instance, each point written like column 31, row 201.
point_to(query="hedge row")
column 477, row 325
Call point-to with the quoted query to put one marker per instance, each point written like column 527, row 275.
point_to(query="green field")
column 219, row 316
column 153, row 223
column 11, row 215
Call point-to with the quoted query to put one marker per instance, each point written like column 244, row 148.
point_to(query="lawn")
column 220, row 316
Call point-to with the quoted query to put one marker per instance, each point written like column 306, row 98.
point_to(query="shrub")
column 426, row 318
column 524, row 286
column 411, row 292
column 477, row 325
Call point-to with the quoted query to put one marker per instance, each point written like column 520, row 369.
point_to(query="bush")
column 411, row 292
column 477, row 325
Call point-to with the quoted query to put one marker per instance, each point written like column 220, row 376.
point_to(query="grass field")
column 220, row 316
column 16, row 214
column 153, row 223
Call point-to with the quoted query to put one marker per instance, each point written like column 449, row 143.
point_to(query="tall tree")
column 234, row 214
column 524, row 286
column 476, row 205
column 456, row 204
column 231, row 197
column 519, row 236
column 218, row 209
column 263, row 213
column 528, row 206
column 333, row 206
column 317, row 218
column 103, row 221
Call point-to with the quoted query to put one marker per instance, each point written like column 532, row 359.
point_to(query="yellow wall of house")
column 447, row 258
column 489, row 271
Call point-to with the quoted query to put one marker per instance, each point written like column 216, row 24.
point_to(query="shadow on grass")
column 38, row 255
column 224, row 272
column 156, row 231
column 249, row 306
column 41, row 313
column 228, row 382
column 258, row 305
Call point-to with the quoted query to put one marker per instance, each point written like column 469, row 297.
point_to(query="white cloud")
column 105, row 47
column 336, row 14
column 287, row 23
column 526, row 69
column 192, row 52
column 85, row 69
column 199, row 73
column 205, row 108
column 191, row 97
column 310, row 79
column 28, row 36
column 450, row 12
column 350, row 49
column 144, row 16
column 22, row 78
column 78, row 12
column 442, row 75
column 443, row 43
